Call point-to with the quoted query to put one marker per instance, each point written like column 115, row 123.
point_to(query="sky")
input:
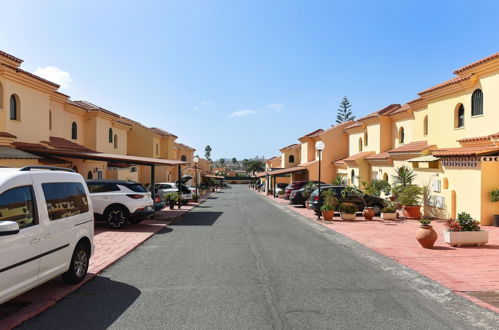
column 246, row 77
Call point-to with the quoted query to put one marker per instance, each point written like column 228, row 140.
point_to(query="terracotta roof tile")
column 466, row 151
column 474, row 64
column 32, row 75
column 480, row 138
column 358, row 156
column 449, row 82
column 346, row 124
column 291, row 146
column 7, row 135
column 413, row 147
column 92, row 107
column 403, row 108
column 12, row 57
column 161, row 132
column 383, row 112
column 61, row 143
column 312, row 134
column 185, row 146
column 380, row 156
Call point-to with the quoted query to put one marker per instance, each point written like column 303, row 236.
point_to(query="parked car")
column 354, row 197
column 164, row 188
column 118, row 202
column 297, row 198
column 46, row 228
column 280, row 187
column 159, row 204
column 297, row 185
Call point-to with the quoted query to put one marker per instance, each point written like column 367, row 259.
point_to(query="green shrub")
column 389, row 209
column 348, row 208
column 280, row 192
column 410, row 195
column 326, row 207
column 376, row 187
column 175, row 196
column 425, row 221
column 494, row 195
column 467, row 223
column 329, row 199
column 308, row 189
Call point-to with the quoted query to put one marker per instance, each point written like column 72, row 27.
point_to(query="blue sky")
column 246, row 77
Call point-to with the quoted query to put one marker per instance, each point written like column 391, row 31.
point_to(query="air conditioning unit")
column 436, row 185
column 440, row 202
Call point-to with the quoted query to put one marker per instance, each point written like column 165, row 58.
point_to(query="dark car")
column 297, row 198
column 295, row 186
column 356, row 197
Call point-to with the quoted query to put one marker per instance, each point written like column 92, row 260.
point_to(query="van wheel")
column 116, row 217
column 79, row 265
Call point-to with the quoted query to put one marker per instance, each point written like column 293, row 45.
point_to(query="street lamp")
column 195, row 160
column 319, row 146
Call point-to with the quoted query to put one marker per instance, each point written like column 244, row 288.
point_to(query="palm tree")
column 207, row 152
column 221, row 162
column 404, row 176
column 234, row 160
column 340, row 180
column 255, row 166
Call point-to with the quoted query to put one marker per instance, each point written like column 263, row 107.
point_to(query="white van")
column 46, row 228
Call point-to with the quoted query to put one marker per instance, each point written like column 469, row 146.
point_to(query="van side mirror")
column 8, row 228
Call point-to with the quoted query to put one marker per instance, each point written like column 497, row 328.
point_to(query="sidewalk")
column 465, row 270
column 110, row 246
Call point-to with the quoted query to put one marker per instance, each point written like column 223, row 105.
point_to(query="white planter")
column 346, row 216
column 389, row 216
column 462, row 238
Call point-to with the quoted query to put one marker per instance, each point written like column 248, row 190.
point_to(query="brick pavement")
column 461, row 269
column 110, row 246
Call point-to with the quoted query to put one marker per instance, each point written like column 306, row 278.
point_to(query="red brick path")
column 460, row 269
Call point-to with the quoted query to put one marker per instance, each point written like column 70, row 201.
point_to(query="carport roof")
column 136, row 160
column 287, row 170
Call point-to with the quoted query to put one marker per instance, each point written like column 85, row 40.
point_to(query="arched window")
column 365, row 139
column 115, row 141
column 110, row 137
column 90, row 176
column 352, row 177
column 360, row 144
column 183, row 158
column 401, row 135
column 385, row 177
column 14, row 107
column 459, row 116
column 50, row 119
column 425, row 125
column 477, row 103
column 291, row 159
column 74, row 131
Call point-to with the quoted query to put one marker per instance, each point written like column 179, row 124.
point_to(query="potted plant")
column 280, row 193
column 330, row 203
column 368, row 211
column 494, row 197
column 410, row 199
column 171, row 199
column 348, row 211
column 389, row 212
column 464, row 231
column 425, row 234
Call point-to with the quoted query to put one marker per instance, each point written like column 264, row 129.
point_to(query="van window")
column 65, row 199
column 17, row 205
column 102, row 187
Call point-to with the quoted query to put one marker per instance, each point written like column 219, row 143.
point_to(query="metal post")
column 196, row 172
column 275, row 184
column 179, row 187
column 153, row 173
column 319, row 200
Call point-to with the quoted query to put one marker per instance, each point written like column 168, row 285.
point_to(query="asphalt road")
column 241, row 262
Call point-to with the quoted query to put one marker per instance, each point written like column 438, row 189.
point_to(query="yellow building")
column 41, row 126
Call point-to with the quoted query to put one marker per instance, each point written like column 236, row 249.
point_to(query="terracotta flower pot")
column 426, row 236
column 328, row 215
column 348, row 216
column 368, row 213
column 412, row 212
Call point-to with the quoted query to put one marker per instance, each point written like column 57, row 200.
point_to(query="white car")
column 46, row 228
column 163, row 188
column 117, row 202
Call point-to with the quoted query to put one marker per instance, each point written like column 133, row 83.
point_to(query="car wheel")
column 116, row 217
column 79, row 265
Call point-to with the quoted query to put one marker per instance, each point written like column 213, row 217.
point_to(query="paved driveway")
column 240, row 262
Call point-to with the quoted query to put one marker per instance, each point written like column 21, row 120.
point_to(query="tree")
column 344, row 111
column 221, row 161
column 404, row 176
column 255, row 166
column 234, row 160
column 245, row 163
column 207, row 152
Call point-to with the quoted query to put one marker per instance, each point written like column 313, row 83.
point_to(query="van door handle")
column 34, row 241
column 49, row 235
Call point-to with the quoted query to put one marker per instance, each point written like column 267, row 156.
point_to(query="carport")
column 283, row 172
column 111, row 158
